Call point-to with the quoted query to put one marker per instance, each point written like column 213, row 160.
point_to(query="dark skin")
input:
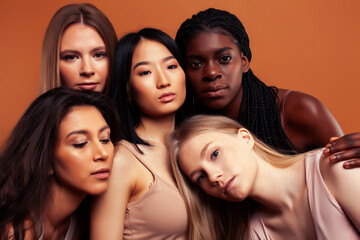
column 214, row 67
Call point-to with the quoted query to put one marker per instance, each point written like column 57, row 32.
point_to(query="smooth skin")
column 214, row 67
column 157, row 84
column 82, row 163
column 225, row 166
column 83, row 63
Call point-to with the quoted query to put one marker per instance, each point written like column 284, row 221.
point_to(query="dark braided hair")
column 258, row 110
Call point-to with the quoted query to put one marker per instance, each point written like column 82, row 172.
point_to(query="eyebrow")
column 75, row 51
column 84, row 132
column 148, row 62
column 202, row 153
column 217, row 52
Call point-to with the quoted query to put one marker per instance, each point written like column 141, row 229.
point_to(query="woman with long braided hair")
column 217, row 55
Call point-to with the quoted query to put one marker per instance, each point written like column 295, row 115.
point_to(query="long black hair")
column 28, row 154
column 258, row 110
column 119, row 88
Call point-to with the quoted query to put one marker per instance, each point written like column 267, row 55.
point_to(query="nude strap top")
column 330, row 221
column 159, row 214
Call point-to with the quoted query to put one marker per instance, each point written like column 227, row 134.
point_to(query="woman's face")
column 84, row 152
column 222, row 164
column 157, row 82
column 214, row 67
column 83, row 60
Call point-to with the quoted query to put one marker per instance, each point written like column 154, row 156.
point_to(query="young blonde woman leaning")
column 148, row 86
column 274, row 196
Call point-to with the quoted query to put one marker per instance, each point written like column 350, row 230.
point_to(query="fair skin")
column 83, row 62
column 214, row 67
column 157, row 84
column 82, row 163
column 226, row 166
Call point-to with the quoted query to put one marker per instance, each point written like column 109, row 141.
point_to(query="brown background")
column 310, row 46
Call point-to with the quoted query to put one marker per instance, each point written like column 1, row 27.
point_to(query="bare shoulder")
column 124, row 159
column 344, row 186
column 307, row 122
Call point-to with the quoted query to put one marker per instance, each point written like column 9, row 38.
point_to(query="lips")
column 228, row 185
column 214, row 91
column 88, row 86
column 103, row 173
column 167, row 97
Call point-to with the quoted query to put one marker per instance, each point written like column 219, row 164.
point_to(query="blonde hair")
column 70, row 14
column 211, row 218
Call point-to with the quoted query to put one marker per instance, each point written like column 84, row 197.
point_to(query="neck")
column 155, row 130
column 278, row 189
column 58, row 209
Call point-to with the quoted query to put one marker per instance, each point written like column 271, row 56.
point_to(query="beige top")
column 159, row 214
column 330, row 221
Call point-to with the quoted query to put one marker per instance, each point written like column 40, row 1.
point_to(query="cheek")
column 68, row 74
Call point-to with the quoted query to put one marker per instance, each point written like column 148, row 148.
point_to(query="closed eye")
column 105, row 141
column 79, row 145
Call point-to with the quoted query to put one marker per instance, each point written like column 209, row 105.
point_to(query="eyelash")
column 201, row 178
column 225, row 59
column 214, row 155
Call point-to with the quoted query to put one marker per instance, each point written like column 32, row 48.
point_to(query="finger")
column 343, row 143
column 352, row 164
column 345, row 155
column 333, row 138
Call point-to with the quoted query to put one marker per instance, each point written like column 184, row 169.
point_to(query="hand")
column 346, row 148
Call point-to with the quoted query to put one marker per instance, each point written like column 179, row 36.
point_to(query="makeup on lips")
column 167, row 97
column 102, row 174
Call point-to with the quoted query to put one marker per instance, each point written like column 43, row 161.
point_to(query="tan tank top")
column 159, row 214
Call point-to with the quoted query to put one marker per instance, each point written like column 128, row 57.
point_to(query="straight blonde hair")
column 211, row 218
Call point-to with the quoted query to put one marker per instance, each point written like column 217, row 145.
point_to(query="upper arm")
column 308, row 123
column 107, row 212
column 344, row 186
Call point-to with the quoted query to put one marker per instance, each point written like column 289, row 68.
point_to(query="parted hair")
column 211, row 218
column 27, row 156
column 120, row 90
column 258, row 110
column 66, row 16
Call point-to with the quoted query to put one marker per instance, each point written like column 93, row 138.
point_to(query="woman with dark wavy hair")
column 60, row 151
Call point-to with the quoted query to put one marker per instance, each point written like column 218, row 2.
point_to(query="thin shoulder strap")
column 127, row 145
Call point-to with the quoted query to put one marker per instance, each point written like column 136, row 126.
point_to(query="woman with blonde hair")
column 267, row 195
column 78, row 49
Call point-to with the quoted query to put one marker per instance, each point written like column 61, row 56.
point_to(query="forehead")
column 80, row 117
column 211, row 40
column 149, row 50
column 80, row 32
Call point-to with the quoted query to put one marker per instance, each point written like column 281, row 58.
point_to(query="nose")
column 87, row 68
column 100, row 152
column 211, row 71
column 214, row 176
column 163, row 80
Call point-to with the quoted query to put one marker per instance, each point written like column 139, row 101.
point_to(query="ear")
column 246, row 136
column 245, row 63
